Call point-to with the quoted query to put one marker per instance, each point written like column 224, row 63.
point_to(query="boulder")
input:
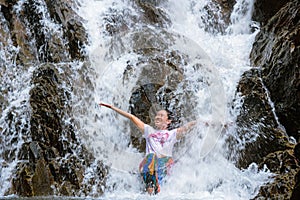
column 264, row 10
column 269, row 90
column 270, row 100
column 285, row 181
column 296, row 190
column 276, row 51
column 258, row 130
column 152, row 13
column 55, row 161
column 216, row 17
column 45, row 37
column 63, row 13
column 161, row 83
column 26, row 31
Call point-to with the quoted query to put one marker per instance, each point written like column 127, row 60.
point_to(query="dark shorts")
column 153, row 170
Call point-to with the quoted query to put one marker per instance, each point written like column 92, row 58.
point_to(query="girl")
column 159, row 146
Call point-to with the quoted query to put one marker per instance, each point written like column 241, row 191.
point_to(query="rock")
column 275, row 56
column 152, row 13
column 264, row 10
column 55, row 161
column 63, row 13
column 296, row 189
column 216, row 17
column 286, row 171
column 42, row 180
column 280, row 162
column 256, row 116
column 280, row 188
column 21, row 185
column 279, row 42
column 49, row 45
column 47, row 106
column 32, row 179
column 297, row 152
column 14, row 33
column 40, row 132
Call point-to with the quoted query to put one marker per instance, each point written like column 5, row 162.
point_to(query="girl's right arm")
column 133, row 118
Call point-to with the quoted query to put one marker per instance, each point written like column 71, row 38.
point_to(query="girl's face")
column 161, row 120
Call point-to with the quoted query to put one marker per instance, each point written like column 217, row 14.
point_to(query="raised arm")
column 133, row 118
column 181, row 131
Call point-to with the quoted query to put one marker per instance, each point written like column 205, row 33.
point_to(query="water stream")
column 202, row 170
column 210, row 74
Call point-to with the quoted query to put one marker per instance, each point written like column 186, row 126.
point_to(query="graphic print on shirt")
column 160, row 137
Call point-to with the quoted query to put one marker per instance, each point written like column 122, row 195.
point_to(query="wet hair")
column 175, row 121
column 171, row 115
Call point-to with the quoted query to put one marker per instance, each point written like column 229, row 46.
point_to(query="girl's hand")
column 106, row 105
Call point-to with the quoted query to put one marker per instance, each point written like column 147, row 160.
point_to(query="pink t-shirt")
column 160, row 142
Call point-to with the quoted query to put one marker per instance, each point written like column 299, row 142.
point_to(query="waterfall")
column 193, row 69
column 202, row 170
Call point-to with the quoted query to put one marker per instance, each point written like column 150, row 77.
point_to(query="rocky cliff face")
column 270, row 90
column 274, row 78
column 47, row 38
column 279, row 41
column 52, row 159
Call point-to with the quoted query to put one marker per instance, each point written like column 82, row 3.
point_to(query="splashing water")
column 214, row 65
column 195, row 175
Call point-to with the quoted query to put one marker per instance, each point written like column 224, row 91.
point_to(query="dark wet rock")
column 41, row 132
column 123, row 21
column 32, row 177
column 55, row 161
column 264, row 10
column 15, row 31
column 275, row 56
column 296, row 189
column 52, row 44
column 217, row 15
column 62, row 12
column 285, row 179
column 277, row 52
column 280, row 162
column 279, row 188
column 153, row 14
column 47, row 106
column 273, row 79
column 297, row 152
column 256, row 116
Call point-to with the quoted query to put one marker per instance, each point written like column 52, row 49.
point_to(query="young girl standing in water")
column 159, row 146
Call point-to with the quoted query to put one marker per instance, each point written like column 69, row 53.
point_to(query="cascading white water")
column 195, row 175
